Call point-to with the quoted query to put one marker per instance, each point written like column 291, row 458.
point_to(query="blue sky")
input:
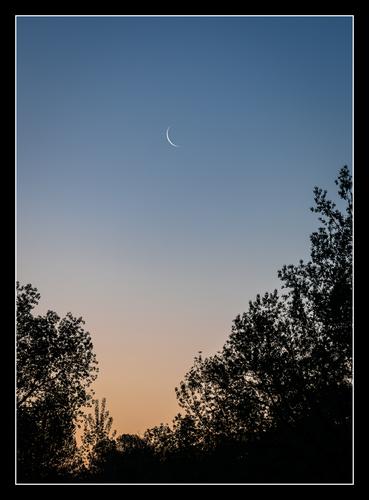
column 160, row 247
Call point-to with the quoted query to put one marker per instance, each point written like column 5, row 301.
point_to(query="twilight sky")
column 159, row 248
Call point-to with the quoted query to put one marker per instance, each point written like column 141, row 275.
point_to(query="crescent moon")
column 170, row 142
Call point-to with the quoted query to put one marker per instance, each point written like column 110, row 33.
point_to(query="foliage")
column 96, row 439
column 289, row 357
column 55, row 367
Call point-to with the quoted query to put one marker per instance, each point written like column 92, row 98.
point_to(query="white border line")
column 352, row 159
column 186, row 15
column 16, row 246
column 353, row 253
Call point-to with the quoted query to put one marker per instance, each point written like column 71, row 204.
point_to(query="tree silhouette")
column 287, row 363
column 55, row 367
column 135, row 459
column 97, row 440
column 162, row 440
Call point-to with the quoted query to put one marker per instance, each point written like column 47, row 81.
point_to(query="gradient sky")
column 159, row 248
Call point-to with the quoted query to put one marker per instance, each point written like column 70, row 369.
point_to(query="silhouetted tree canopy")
column 55, row 367
column 96, row 438
column 288, row 357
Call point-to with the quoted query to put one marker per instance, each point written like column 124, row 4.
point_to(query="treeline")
column 274, row 405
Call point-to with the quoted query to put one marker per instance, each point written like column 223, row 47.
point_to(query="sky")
column 159, row 248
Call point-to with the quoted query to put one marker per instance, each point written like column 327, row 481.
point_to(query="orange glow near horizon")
column 159, row 248
column 141, row 362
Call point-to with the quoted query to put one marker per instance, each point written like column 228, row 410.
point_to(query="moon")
column 170, row 142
